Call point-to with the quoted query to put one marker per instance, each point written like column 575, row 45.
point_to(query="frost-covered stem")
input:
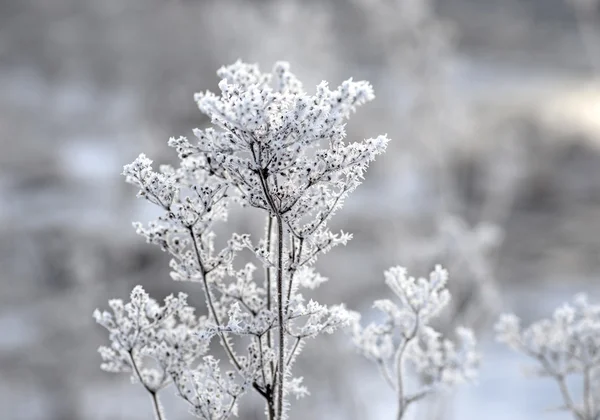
column 262, row 361
column 291, row 356
column 400, row 383
column 233, row 401
column 567, row 397
column 279, row 381
column 268, row 282
column 158, row 414
column 268, row 395
column 560, row 379
column 271, row 407
column 297, row 259
column 210, row 303
column 156, row 405
column 399, row 362
column 281, row 369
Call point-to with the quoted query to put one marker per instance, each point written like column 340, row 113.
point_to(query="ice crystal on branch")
column 567, row 344
column 405, row 338
column 274, row 147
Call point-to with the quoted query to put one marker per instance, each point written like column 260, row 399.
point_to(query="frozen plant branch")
column 567, row 344
column 276, row 148
column 405, row 339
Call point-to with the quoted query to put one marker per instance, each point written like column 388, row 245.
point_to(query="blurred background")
column 494, row 171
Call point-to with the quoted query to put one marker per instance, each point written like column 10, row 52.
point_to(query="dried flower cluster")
column 142, row 329
column 405, row 338
column 275, row 148
column 567, row 344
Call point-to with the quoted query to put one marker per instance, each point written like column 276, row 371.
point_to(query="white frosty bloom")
column 142, row 327
column 405, row 338
column 566, row 344
column 279, row 149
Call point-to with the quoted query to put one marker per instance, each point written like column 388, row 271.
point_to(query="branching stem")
column 399, row 365
column 158, row 413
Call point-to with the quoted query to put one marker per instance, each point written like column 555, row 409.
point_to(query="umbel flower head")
column 274, row 147
column 278, row 148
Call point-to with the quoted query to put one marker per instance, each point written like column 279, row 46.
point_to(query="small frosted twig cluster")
column 406, row 338
column 277, row 149
column 567, row 344
column 142, row 330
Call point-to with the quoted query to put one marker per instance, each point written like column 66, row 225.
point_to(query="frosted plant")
column 142, row 329
column 405, row 338
column 567, row 344
column 277, row 149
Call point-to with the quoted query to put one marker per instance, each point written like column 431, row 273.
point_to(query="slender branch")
column 400, row 380
column 567, row 397
column 158, row 413
column 268, row 283
column 281, row 372
column 226, row 415
column 560, row 379
column 291, row 356
column 402, row 402
column 210, row 303
column 297, row 256
column 157, row 407
column 262, row 361
column 416, row 397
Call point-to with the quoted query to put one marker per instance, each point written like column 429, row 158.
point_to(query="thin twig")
column 210, row 304
column 158, row 414
column 291, row 356
column 402, row 402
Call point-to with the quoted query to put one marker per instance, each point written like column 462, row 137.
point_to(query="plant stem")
column 156, row 405
column 268, row 284
column 281, row 368
column 293, row 351
column 400, row 381
column 210, row 304
column 403, row 402
column 158, row 414
column 279, row 380
column 271, row 408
